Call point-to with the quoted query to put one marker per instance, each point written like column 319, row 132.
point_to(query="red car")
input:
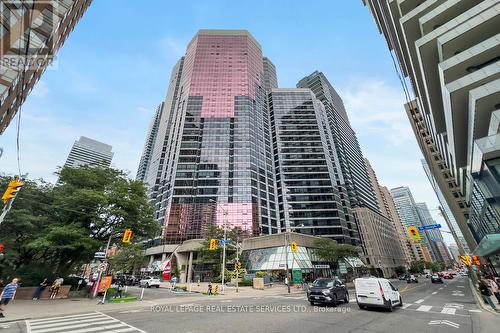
column 447, row 276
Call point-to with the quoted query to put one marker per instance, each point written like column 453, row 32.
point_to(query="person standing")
column 486, row 293
column 40, row 289
column 8, row 294
column 119, row 289
column 494, row 288
column 54, row 289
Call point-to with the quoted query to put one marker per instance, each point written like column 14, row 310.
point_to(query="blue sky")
column 114, row 70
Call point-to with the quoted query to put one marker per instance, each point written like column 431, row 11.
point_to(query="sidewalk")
column 28, row 309
column 480, row 301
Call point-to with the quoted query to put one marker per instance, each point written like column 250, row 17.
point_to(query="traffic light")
column 238, row 265
column 127, row 235
column 213, row 243
column 12, row 189
column 414, row 234
column 476, row 261
column 466, row 260
column 293, row 247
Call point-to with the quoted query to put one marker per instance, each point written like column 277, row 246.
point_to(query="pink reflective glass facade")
column 223, row 67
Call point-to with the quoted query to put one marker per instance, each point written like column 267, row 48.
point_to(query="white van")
column 376, row 292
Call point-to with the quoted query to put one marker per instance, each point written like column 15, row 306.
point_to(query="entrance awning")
column 489, row 246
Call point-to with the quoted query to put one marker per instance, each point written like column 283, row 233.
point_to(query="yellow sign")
column 293, row 246
column 466, row 260
column 127, row 235
column 213, row 243
column 12, row 189
column 414, row 234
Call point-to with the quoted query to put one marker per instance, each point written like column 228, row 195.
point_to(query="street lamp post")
column 224, row 222
column 287, row 279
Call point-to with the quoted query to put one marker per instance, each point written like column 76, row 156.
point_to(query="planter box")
column 258, row 283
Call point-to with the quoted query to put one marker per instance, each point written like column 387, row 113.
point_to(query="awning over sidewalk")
column 489, row 246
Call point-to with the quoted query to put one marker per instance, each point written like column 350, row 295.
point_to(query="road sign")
column 102, row 266
column 221, row 242
column 100, row 255
column 429, row 227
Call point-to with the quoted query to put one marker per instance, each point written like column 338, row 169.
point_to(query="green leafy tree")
column 215, row 256
column 436, row 266
column 330, row 251
column 52, row 229
column 417, row 266
column 399, row 270
column 128, row 259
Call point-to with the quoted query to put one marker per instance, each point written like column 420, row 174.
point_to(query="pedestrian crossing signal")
column 212, row 245
column 414, row 234
column 127, row 236
column 293, row 246
column 476, row 261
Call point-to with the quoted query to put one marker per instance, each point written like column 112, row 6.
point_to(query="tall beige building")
column 31, row 34
column 378, row 232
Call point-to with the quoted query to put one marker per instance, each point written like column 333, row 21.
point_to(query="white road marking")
column 444, row 322
column 476, row 311
column 441, row 288
column 434, row 293
column 460, row 287
column 94, row 322
column 448, row 310
column 407, row 305
column 424, row 308
column 419, row 301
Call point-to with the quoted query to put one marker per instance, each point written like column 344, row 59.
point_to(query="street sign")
column 323, row 266
column 429, row 227
column 100, row 255
column 221, row 242
column 102, row 266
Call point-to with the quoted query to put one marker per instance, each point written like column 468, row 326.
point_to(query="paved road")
column 427, row 307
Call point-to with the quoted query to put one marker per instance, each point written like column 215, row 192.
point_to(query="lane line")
column 434, row 293
column 419, row 301
column 407, row 305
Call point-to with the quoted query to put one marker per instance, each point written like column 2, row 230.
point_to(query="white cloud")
column 375, row 107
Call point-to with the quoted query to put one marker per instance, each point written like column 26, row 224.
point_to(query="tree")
column 53, row 229
column 330, row 251
column 215, row 256
column 417, row 266
column 127, row 259
column 436, row 266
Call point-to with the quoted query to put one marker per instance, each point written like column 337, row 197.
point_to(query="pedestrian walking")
column 486, row 293
column 54, row 288
column 119, row 289
column 8, row 294
column 40, row 289
column 210, row 288
column 494, row 288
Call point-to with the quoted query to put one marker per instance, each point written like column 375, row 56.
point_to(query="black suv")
column 327, row 291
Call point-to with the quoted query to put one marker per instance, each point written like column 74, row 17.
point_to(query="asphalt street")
column 448, row 307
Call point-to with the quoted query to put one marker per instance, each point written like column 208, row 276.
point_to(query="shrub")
column 245, row 283
column 260, row 274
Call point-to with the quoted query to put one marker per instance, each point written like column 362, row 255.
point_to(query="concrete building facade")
column 24, row 59
column 90, row 152
column 151, row 138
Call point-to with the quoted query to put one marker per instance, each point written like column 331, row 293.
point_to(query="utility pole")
column 96, row 289
column 287, row 279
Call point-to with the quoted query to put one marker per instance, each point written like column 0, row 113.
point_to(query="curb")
column 479, row 300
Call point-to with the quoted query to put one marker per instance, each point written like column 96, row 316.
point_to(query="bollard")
column 142, row 294
column 126, row 288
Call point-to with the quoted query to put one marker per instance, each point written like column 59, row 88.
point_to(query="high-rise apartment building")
column 32, row 32
column 380, row 230
column 409, row 214
column 310, row 199
column 213, row 160
column 449, row 50
column 446, row 211
column 151, row 137
column 352, row 167
column 90, row 152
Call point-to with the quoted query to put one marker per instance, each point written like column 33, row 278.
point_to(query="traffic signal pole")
column 96, row 289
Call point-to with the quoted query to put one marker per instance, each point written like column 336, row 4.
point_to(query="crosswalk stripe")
column 477, row 311
column 419, row 301
column 64, row 317
column 424, row 308
column 90, row 321
column 407, row 305
column 95, row 322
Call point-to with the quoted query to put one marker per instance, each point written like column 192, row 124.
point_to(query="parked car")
column 376, row 292
column 327, row 291
column 402, row 277
column 149, row 282
column 447, row 276
column 411, row 279
column 436, row 279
